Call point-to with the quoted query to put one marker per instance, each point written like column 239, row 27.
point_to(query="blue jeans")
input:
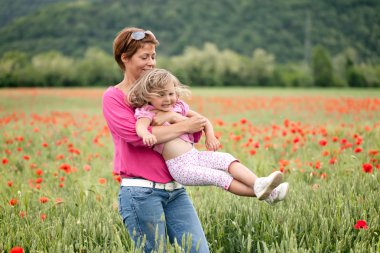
column 157, row 214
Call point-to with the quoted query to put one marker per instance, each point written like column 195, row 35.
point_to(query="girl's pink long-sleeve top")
column 131, row 158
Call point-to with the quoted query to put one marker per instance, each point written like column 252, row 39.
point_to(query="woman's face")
column 143, row 59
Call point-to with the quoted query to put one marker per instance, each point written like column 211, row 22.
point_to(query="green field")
column 58, row 193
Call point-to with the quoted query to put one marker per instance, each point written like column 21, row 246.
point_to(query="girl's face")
column 143, row 59
column 165, row 99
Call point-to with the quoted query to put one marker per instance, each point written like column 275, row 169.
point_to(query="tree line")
column 286, row 29
column 205, row 66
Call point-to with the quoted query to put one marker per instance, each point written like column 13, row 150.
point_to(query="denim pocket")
column 140, row 193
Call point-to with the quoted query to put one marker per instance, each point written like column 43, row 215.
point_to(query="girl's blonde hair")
column 151, row 83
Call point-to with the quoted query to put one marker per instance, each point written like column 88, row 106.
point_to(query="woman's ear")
column 124, row 58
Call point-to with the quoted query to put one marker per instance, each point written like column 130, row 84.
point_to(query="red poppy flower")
column 219, row 122
column 44, row 200
column 13, row 202
column 367, row 167
column 59, row 157
column 10, row 183
column 323, row 143
column 373, row 152
column 361, row 224
column 22, row 214
column 20, row 138
column 102, row 180
column 17, row 250
column 39, row 172
column 58, row 201
column 74, row 151
column 5, row 161
column 117, row 178
column 358, row 150
column 65, row 167
column 243, row 121
column 86, row 167
column 332, row 161
column 43, row 216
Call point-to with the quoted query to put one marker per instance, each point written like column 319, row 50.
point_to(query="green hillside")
column 11, row 9
column 288, row 29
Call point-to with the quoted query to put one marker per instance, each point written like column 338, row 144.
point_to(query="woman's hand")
column 161, row 117
column 195, row 124
column 212, row 143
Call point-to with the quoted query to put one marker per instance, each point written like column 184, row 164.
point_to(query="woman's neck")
column 125, row 84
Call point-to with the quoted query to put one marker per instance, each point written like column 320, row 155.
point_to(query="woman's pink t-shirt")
column 131, row 158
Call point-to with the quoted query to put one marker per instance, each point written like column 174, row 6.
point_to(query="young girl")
column 158, row 91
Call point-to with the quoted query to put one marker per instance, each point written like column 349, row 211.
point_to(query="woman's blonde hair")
column 150, row 83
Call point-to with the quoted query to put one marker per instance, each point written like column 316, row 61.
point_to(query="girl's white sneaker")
column 278, row 194
column 264, row 186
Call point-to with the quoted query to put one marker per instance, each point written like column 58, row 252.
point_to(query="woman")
column 150, row 201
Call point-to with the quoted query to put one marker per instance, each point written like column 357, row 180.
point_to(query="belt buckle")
column 169, row 186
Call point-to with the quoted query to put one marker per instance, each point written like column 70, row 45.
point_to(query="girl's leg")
column 207, row 168
column 243, row 178
column 245, row 182
column 242, row 173
column 220, row 169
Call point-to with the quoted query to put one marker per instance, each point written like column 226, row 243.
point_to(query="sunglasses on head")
column 141, row 35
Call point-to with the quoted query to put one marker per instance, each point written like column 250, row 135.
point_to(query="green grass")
column 318, row 215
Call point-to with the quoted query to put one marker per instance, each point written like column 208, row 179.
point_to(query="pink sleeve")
column 181, row 107
column 120, row 118
column 144, row 112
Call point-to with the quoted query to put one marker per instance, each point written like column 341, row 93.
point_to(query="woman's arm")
column 161, row 117
column 192, row 124
column 120, row 118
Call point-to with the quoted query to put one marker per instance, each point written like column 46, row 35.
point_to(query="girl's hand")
column 149, row 139
column 212, row 143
